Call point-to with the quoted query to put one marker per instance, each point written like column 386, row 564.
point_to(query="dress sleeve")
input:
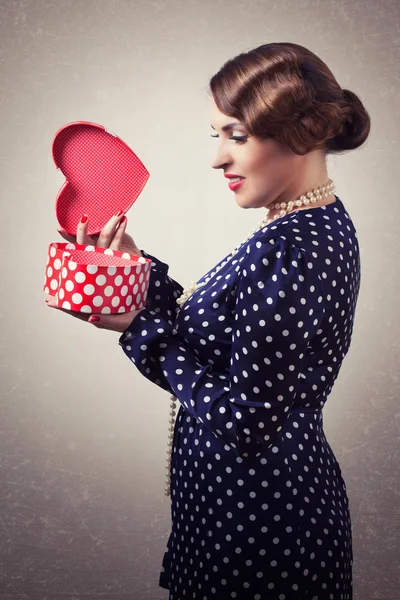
column 163, row 290
column 279, row 307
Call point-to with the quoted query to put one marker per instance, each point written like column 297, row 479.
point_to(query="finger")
column 72, row 238
column 51, row 301
column 81, row 233
column 115, row 322
column 67, row 236
column 116, row 242
column 72, row 313
column 108, row 232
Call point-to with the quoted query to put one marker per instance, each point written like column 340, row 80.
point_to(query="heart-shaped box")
column 103, row 175
column 90, row 279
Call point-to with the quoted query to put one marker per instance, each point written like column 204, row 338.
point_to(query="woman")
column 251, row 352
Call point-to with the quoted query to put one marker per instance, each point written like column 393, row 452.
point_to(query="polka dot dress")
column 259, row 506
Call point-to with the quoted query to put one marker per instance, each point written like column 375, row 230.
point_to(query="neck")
column 311, row 173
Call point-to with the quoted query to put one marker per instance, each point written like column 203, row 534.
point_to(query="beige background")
column 83, row 434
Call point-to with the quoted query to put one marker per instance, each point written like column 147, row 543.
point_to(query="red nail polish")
column 123, row 220
column 84, row 219
column 119, row 213
column 94, row 319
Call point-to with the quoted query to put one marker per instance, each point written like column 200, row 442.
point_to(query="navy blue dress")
column 259, row 507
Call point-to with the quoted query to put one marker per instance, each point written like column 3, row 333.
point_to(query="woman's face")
column 271, row 170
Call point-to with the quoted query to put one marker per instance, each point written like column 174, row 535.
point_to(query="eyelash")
column 237, row 139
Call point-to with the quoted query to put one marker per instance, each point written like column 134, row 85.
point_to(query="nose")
column 221, row 159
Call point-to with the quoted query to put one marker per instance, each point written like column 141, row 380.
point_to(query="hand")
column 122, row 241
column 115, row 239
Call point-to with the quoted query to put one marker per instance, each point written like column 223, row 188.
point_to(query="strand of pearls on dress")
column 318, row 194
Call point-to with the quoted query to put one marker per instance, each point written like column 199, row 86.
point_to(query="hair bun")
column 356, row 124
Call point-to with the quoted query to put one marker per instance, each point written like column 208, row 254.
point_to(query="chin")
column 244, row 203
column 248, row 202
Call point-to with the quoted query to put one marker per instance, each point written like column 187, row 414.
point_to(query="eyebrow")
column 228, row 126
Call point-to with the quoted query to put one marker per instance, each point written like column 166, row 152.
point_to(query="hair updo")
column 283, row 90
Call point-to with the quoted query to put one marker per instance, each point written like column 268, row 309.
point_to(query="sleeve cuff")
column 158, row 264
column 140, row 325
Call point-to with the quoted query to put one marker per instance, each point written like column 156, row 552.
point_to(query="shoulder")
column 277, row 257
column 300, row 234
column 272, row 243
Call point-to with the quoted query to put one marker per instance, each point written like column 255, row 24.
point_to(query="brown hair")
column 283, row 90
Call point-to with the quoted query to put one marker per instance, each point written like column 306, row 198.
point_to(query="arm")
column 163, row 290
column 279, row 307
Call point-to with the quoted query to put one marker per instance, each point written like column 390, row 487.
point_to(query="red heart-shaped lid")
column 103, row 175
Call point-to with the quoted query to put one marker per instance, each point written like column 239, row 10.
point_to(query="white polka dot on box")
column 90, row 279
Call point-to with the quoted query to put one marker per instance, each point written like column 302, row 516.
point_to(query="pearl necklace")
column 324, row 191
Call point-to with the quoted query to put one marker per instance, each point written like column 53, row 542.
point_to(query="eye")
column 239, row 139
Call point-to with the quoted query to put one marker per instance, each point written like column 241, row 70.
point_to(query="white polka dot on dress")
column 259, row 507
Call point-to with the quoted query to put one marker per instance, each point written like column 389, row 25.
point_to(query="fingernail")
column 123, row 219
column 93, row 319
column 119, row 213
column 84, row 219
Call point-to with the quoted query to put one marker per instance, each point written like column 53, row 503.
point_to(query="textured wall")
column 83, row 434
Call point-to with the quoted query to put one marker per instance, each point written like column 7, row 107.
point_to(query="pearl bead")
column 310, row 197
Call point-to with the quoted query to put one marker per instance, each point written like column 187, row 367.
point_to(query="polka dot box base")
column 86, row 278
